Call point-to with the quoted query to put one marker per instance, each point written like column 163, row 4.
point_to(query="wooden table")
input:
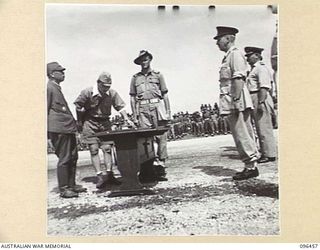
column 134, row 148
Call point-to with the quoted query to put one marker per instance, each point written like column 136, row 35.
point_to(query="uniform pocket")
column 59, row 107
column 225, row 73
column 154, row 84
column 140, row 87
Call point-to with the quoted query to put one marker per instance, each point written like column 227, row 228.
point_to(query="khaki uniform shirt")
column 98, row 106
column 233, row 66
column 149, row 86
column 259, row 77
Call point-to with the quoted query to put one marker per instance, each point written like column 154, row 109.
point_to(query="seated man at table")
column 93, row 107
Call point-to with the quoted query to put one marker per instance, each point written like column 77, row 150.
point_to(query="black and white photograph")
column 162, row 120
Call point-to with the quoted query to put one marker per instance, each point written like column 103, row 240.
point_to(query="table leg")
column 129, row 166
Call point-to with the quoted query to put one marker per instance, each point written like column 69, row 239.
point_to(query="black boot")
column 66, row 192
column 160, row 173
column 101, row 182
column 110, row 179
column 147, row 172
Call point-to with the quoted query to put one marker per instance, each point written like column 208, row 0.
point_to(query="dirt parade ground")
column 200, row 198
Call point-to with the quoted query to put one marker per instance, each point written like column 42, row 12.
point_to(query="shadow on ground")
column 176, row 195
column 258, row 187
column 216, row 170
column 163, row 196
column 249, row 187
column 108, row 187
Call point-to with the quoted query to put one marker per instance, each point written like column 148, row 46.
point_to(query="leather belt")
column 153, row 100
column 254, row 92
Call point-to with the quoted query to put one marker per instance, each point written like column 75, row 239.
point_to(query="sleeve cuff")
column 238, row 74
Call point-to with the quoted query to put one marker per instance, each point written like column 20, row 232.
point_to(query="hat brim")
column 59, row 69
column 249, row 54
column 223, row 34
column 105, row 82
column 139, row 58
column 217, row 37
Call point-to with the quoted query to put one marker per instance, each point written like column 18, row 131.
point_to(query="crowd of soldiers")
column 206, row 122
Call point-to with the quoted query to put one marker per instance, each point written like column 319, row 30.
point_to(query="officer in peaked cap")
column 62, row 132
column 151, row 108
column 259, row 82
column 235, row 100
column 224, row 30
column 252, row 50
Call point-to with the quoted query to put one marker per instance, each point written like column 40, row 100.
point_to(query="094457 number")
column 306, row 245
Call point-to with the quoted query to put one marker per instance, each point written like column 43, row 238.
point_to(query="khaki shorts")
column 91, row 127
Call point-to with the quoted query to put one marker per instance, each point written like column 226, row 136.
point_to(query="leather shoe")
column 266, row 159
column 263, row 160
column 246, row 174
column 68, row 193
column 244, row 170
column 79, row 189
column 272, row 158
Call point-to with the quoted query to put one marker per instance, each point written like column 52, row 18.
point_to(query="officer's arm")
column 133, row 102
column 264, row 78
column 80, row 110
column 167, row 104
column 133, row 107
column 262, row 95
column 80, row 114
column 49, row 99
column 238, row 84
column 239, row 67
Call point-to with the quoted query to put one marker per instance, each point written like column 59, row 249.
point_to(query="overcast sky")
column 89, row 39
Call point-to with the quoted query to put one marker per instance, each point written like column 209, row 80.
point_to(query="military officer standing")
column 259, row 84
column 150, row 106
column 235, row 101
column 93, row 107
column 62, row 132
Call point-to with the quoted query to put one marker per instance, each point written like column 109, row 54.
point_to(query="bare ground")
column 200, row 198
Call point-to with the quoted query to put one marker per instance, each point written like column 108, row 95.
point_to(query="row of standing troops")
column 204, row 123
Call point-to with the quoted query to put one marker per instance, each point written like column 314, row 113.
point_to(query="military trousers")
column 66, row 150
column 149, row 118
column 263, row 122
column 243, row 135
